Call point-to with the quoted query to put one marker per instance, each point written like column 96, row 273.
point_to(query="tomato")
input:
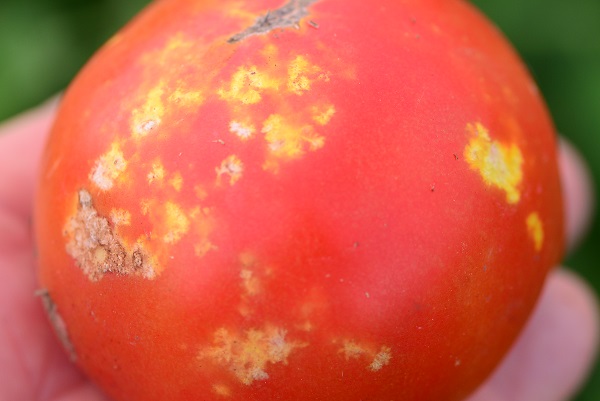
column 313, row 200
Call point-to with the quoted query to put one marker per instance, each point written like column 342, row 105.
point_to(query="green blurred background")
column 43, row 43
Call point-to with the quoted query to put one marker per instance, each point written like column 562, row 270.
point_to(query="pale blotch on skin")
column 535, row 228
column 499, row 165
column 247, row 355
column 246, row 86
column 378, row 359
column 250, row 284
column 176, row 181
column 301, row 75
column 181, row 97
column 203, row 224
column 200, row 192
column 108, row 168
column 222, row 390
column 148, row 117
column 120, row 217
column 176, row 223
column 231, row 166
column 288, row 140
column 322, row 115
column 157, row 173
column 244, row 131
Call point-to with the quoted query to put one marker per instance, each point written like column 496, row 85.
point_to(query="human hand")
column 549, row 361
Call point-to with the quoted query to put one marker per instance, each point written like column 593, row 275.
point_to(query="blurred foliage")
column 43, row 43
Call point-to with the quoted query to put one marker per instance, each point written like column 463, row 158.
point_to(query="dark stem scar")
column 289, row 15
column 58, row 324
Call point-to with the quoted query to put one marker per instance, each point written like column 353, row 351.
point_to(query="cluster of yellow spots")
column 108, row 168
column 287, row 136
column 498, row 164
column 158, row 173
column 172, row 222
column 378, row 359
column 248, row 354
column 159, row 100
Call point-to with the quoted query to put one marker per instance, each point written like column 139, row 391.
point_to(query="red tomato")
column 317, row 200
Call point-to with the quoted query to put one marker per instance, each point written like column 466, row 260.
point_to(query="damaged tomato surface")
column 311, row 200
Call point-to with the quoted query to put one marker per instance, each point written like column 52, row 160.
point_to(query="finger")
column 553, row 355
column 21, row 142
column 578, row 194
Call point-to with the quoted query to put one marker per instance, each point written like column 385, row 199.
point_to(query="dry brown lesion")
column 97, row 250
column 287, row 16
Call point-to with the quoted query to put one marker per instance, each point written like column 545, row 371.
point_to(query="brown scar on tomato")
column 287, row 16
column 97, row 250
column 57, row 322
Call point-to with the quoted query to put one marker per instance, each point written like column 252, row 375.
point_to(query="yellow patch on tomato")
column 323, row 114
column 181, row 97
column 500, row 165
column 535, row 228
column 222, row 390
column 288, row 140
column 243, row 130
column 246, row 86
column 231, row 166
column 301, row 74
column 148, row 117
column 176, row 181
column 378, row 358
column 108, row 168
column 247, row 355
column 157, row 172
column 120, row 217
column 176, row 223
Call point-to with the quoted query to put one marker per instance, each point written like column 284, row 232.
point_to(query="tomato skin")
column 362, row 205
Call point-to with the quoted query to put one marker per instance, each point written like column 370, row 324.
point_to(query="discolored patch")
column 535, row 228
column 248, row 355
column 322, row 115
column 222, row 390
column 246, row 86
column 288, row 16
column 231, row 166
column 500, row 165
column 301, row 75
column 176, row 223
column 287, row 140
column 147, row 118
column 244, row 131
column 108, row 168
column 97, row 250
column 378, row 359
